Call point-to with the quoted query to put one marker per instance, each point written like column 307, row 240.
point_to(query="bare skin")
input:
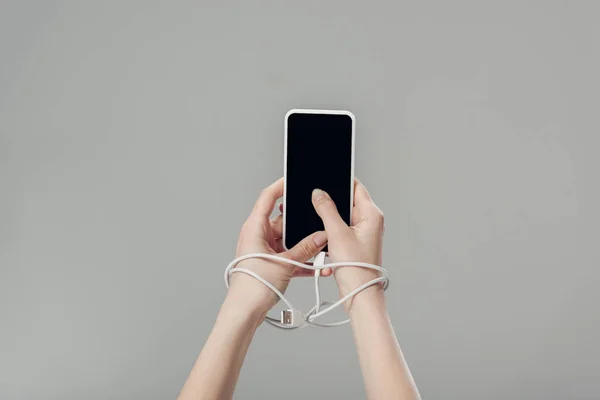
column 385, row 372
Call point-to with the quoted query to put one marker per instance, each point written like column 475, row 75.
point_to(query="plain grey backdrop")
column 136, row 135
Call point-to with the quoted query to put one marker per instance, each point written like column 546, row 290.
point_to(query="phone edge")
column 285, row 140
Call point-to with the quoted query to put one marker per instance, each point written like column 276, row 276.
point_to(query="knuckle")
column 244, row 231
column 247, row 226
column 325, row 204
column 306, row 249
column 378, row 216
column 321, row 201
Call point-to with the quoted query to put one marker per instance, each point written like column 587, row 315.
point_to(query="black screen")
column 319, row 155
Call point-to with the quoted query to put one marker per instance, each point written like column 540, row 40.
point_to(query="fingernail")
column 320, row 238
column 318, row 194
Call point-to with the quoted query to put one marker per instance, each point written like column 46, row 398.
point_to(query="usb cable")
column 292, row 318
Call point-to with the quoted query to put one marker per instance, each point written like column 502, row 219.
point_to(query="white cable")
column 319, row 261
column 293, row 318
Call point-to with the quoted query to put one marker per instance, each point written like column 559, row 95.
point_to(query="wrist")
column 346, row 286
column 372, row 297
column 248, row 295
column 239, row 306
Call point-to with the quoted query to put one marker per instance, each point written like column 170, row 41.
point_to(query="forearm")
column 384, row 369
column 216, row 370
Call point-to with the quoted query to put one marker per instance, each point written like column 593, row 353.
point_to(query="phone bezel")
column 285, row 151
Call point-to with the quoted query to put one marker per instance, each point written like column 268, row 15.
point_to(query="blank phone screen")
column 319, row 156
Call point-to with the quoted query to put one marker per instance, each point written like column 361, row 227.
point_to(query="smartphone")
column 318, row 154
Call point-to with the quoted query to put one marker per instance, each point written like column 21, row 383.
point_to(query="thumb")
column 328, row 212
column 308, row 247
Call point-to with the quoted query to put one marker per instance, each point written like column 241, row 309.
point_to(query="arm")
column 216, row 370
column 385, row 372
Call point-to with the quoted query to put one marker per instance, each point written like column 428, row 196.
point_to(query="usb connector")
column 286, row 317
column 292, row 318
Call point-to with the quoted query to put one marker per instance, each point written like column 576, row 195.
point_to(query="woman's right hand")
column 362, row 242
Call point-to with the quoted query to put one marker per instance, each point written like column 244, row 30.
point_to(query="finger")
column 266, row 201
column 328, row 212
column 361, row 195
column 277, row 225
column 363, row 200
column 307, row 273
column 281, row 207
column 308, row 247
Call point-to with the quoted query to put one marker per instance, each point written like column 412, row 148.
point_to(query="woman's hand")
column 362, row 242
column 384, row 368
column 385, row 372
column 261, row 235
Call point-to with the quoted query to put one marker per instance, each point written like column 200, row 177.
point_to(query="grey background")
column 135, row 136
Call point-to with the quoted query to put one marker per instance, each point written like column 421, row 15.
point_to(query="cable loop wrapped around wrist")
column 291, row 318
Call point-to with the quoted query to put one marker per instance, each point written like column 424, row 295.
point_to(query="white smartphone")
column 318, row 154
